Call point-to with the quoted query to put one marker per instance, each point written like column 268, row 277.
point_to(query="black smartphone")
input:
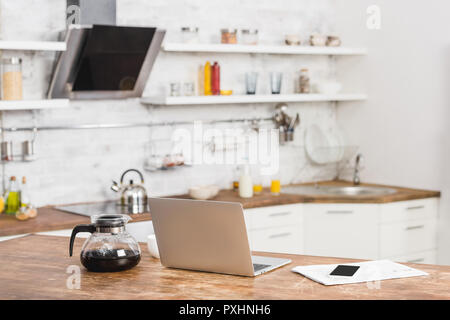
column 345, row 271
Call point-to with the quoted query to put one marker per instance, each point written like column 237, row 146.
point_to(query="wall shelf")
column 33, row 45
column 11, row 105
column 269, row 49
column 232, row 99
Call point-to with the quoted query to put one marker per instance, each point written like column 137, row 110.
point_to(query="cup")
column 275, row 82
column 28, row 153
column 275, row 187
column 188, row 89
column 6, row 148
column 251, row 79
column 175, row 89
column 152, row 246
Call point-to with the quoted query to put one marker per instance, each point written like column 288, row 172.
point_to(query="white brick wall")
column 79, row 165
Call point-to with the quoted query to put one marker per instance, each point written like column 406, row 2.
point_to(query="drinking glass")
column 275, row 82
column 275, row 187
column 251, row 79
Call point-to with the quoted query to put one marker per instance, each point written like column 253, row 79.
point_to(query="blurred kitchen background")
column 401, row 128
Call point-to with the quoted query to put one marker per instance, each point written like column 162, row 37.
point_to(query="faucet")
column 356, row 179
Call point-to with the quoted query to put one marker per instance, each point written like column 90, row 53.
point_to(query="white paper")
column 368, row 271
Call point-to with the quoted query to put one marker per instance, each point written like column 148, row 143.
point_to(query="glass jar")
column 304, row 81
column 11, row 79
column 249, row 36
column 229, row 36
column 189, row 35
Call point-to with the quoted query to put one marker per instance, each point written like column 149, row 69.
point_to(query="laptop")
column 206, row 236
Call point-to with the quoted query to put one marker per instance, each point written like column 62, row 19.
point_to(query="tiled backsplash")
column 78, row 165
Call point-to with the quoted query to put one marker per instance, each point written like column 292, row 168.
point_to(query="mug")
column 6, row 150
column 28, row 150
column 152, row 246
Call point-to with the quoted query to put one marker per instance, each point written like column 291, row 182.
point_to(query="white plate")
column 323, row 148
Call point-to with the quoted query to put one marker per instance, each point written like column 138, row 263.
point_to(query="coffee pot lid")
column 110, row 220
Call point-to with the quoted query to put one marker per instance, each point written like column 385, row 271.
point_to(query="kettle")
column 133, row 196
column 110, row 247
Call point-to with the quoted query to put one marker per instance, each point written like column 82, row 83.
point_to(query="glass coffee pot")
column 110, row 248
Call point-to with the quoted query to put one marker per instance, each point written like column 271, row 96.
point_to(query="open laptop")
column 206, row 236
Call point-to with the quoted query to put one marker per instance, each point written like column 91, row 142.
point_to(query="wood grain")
column 34, row 267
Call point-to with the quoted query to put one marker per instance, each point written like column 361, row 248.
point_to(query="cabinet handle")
column 415, row 207
column 415, row 227
column 340, row 211
column 278, row 214
column 279, row 235
column 416, row 260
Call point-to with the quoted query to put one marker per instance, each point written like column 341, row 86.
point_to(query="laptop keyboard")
column 257, row 267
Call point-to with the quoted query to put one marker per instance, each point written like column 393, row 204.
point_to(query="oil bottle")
column 12, row 197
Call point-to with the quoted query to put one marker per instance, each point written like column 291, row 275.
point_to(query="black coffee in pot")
column 109, row 261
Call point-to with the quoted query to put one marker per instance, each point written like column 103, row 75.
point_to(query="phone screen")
column 345, row 271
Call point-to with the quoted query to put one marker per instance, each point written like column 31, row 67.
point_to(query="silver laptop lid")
column 202, row 235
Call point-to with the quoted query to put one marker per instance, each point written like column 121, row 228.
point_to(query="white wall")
column 403, row 128
column 76, row 166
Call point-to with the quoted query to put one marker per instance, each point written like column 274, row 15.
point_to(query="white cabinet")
column 408, row 229
column 409, row 210
column 279, row 239
column 276, row 228
column 428, row 257
column 341, row 230
column 404, row 231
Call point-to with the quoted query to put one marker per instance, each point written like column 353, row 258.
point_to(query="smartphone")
column 344, row 271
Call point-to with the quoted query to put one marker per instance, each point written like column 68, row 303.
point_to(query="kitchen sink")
column 344, row 191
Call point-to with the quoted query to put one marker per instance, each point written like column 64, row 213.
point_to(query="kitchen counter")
column 50, row 219
column 266, row 199
column 34, row 267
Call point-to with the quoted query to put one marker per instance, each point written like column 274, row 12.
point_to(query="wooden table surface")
column 50, row 219
column 34, row 267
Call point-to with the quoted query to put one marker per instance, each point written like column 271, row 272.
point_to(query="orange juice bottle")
column 275, row 187
column 207, row 81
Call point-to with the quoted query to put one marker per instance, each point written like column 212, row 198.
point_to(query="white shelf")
column 236, row 99
column 11, row 105
column 272, row 49
column 33, row 45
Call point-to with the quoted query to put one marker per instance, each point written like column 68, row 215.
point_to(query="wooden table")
column 34, row 267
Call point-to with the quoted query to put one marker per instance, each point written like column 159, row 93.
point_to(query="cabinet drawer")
column 428, row 257
column 342, row 230
column 274, row 216
column 280, row 239
column 405, row 237
column 409, row 210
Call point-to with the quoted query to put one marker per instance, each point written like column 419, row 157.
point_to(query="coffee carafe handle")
column 80, row 228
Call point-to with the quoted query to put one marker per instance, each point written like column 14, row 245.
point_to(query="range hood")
column 105, row 62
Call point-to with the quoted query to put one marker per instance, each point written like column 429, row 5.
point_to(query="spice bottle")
column 207, row 81
column 12, row 79
column 215, row 79
column 228, row 36
column 304, row 81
